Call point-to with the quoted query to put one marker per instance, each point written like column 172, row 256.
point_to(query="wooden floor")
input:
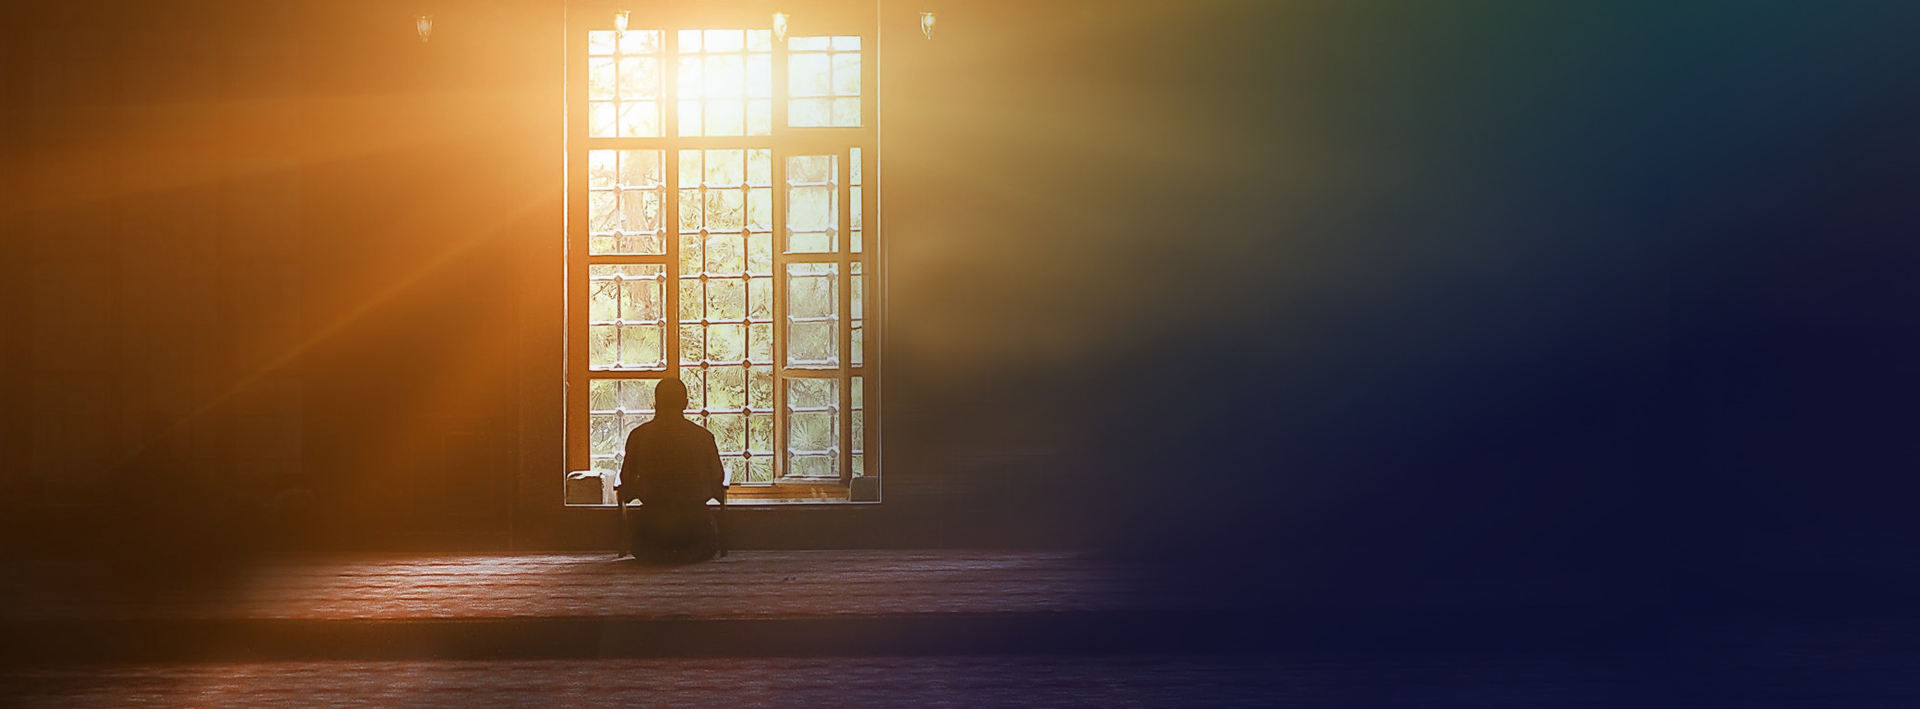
column 745, row 584
column 1023, row 681
column 531, row 606
column 858, row 628
column 1813, row 665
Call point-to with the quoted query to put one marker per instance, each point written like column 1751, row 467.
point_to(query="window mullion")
column 843, row 328
column 670, row 202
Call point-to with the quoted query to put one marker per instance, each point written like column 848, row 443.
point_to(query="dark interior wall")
column 284, row 246
column 1380, row 290
column 1411, row 297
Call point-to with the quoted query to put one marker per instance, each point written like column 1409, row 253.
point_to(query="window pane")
column 642, row 42
column 813, row 203
column 807, row 75
column 858, row 421
column 639, row 78
column 813, row 308
column 853, row 200
column 623, row 84
column 813, row 428
column 625, row 311
column 600, row 42
column 857, row 282
column 823, row 82
column 725, row 258
column 600, row 78
column 726, row 308
column 718, row 71
column 624, row 202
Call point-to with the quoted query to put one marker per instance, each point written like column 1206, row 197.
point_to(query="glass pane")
column 846, row 74
column 759, row 117
column 729, row 430
column 724, row 118
column 724, row 40
column 690, row 118
column 813, row 308
column 721, row 69
column 813, row 203
column 853, row 200
column 625, row 310
column 809, row 112
column 726, row 343
column 857, row 317
column 807, row 75
column 623, row 84
column 858, row 421
column 689, row 78
column 726, row 389
column 760, row 298
column 625, row 202
column 600, row 119
column 760, row 342
column 823, row 82
column 640, row 42
column 813, row 428
column 602, row 169
column 639, row 78
column 726, row 258
column 724, row 211
column 726, row 254
column 600, row 79
column 725, row 76
column 602, row 211
column 726, row 299
column 846, row 112
column 600, row 42
column 640, row 120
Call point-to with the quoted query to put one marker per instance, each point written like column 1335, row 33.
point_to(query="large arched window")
column 719, row 228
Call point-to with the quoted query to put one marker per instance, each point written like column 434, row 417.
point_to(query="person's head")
column 670, row 395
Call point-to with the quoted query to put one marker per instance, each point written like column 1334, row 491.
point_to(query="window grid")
column 823, row 82
column 724, row 79
column 625, row 202
column 800, row 421
column 623, row 84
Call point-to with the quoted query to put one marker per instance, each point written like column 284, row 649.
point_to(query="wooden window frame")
column 811, row 18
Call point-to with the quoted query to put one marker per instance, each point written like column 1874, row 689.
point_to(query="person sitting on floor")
column 672, row 468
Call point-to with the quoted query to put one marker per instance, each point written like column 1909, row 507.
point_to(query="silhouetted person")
column 672, row 467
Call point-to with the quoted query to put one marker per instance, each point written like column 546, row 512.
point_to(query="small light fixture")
column 779, row 27
column 620, row 22
column 926, row 24
column 424, row 25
